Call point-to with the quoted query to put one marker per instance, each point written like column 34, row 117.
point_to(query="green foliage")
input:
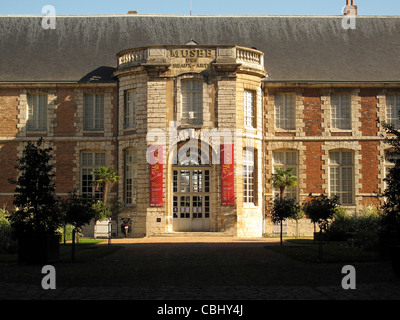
column 283, row 209
column 321, row 209
column 103, row 178
column 391, row 207
column 78, row 210
column 102, row 211
column 358, row 230
column 283, row 179
column 7, row 244
column 37, row 211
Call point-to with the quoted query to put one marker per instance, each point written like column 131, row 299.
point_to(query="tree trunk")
column 73, row 245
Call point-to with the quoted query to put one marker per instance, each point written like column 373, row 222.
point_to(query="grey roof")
column 297, row 48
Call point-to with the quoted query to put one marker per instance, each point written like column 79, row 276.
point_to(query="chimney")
column 350, row 9
column 135, row 12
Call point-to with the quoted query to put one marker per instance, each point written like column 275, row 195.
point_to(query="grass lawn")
column 307, row 250
column 85, row 250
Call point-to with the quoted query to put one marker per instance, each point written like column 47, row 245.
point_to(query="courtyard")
column 203, row 268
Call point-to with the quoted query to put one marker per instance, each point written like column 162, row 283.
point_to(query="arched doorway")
column 191, row 178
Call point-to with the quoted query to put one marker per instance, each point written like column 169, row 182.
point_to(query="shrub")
column 360, row 231
column 366, row 227
column 7, row 244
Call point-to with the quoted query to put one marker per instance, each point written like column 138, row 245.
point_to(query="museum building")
column 195, row 112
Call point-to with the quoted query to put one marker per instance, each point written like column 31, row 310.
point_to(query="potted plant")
column 37, row 217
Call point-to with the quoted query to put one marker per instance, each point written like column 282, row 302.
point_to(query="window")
column 285, row 160
column 249, row 108
column 130, row 177
column 37, row 112
column 393, row 110
column 93, row 112
column 90, row 161
column 341, row 176
column 192, row 102
column 341, row 111
column 248, row 176
column 285, row 111
column 130, row 109
column 390, row 161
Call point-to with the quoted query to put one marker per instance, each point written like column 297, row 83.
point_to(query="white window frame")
column 249, row 177
column 93, row 112
column 250, row 108
column 340, row 178
column 130, row 109
column 130, row 181
column 392, row 110
column 341, row 111
column 390, row 161
column 90, row 161
column 285, row 111
column 191, row 112
column 37, row 112
column 289, row 159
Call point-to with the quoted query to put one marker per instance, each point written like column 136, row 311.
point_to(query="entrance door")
column 191, row 199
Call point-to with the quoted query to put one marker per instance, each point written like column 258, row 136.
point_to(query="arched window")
column 90, row 161
column 286, row 159
column 341, row 175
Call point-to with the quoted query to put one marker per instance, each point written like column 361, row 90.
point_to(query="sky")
column 200, row 7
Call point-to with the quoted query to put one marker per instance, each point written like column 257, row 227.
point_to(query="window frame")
column 195, row 103
column 393, row 110
column 340, row 169
column 37, row 112
column 249, row 108
column 130, row 109
column 132, row 165
column 249, row 166
column 285, row 111
column 341, row 113
column 93, row 113
column 292, row 193
column 87, row 169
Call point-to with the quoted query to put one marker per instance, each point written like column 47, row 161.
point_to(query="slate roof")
column 297, row 48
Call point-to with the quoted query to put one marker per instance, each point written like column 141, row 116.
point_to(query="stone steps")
column 191, row 234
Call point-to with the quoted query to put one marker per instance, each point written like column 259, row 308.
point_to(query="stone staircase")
column 192, row 235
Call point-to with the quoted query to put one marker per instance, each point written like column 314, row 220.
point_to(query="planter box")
column 39, row 249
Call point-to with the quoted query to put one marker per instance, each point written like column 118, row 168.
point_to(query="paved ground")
column 225, row 251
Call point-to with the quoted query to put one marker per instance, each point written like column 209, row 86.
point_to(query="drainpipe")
column 117, row 155
column 263, row 157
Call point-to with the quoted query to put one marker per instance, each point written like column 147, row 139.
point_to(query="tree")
column 391, row 206
column 321, row 209
column 78, row 211
column 283, row 208
column 103, row 178
column 297, row 215
column 37, row 211
column 284, row 179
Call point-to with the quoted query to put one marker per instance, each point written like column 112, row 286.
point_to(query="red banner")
column 227, row 175
column 156, row 175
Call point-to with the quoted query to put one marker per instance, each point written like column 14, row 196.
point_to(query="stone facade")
column 229, row 81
